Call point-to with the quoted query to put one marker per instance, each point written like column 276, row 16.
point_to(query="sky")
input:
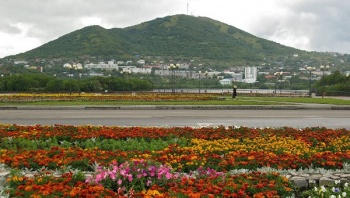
column 312, row 25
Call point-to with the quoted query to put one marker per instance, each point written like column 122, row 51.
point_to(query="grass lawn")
column 333, row 101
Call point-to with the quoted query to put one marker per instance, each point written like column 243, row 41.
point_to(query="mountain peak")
column 177, row 36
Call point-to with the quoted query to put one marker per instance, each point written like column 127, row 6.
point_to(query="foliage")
column 55, row 85
column 333, row 84
column 44, row 83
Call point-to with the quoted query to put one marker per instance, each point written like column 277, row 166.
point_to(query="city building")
column 226, row 81
column 110, row 65
column 250, row 74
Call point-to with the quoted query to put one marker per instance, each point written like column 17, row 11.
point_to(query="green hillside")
column 89, row 41
column 179, row 37
column 199, row 37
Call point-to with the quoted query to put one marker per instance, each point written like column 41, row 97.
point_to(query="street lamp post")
column 310, row 69
column 199, row 81
column 206, row 81
column 278, row 74
column 121, row 73
column 323, row 69
column 128, row 72
column 79, row 82
column 109, row 83
column 173, row 67
column 71, row 75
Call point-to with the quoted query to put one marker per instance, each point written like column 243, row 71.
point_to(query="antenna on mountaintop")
column 187, row 8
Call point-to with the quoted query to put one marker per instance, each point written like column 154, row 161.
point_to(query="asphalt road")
column 194, row 118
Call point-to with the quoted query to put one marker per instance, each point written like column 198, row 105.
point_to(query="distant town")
column 241, row 74
column 269, row 75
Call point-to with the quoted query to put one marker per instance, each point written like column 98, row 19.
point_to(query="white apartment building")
column 110, row 65
column 226, row 81
column 250, row 74
column 134, row 69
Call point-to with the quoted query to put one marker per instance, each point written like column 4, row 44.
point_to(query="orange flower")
column 194, row 195
column 28, row 188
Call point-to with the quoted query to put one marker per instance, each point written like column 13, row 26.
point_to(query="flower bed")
column 27, row 97
column 164, row 162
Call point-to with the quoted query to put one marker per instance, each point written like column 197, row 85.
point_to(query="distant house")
column 102, row 65
column 67, row 65
column 38, row 68
column 74, row 66
column 16, row 62
column 142, row 62
column 141, row 70
column 226, row 81
column 92, row 73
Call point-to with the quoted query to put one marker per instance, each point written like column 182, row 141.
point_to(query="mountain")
column 174, row 37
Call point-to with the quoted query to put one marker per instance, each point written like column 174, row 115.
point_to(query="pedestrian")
column 234, row 92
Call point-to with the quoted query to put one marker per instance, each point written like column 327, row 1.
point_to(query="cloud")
column 56, row 17
column 308, row 24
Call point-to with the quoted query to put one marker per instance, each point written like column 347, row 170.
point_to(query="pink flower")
column 168, row 175
column 149, row 182
column 111, row 175
column 129, row 177
column 99, row 177
column 119, row 182
column 115, row 168
column 88, row 180
column 122, row 172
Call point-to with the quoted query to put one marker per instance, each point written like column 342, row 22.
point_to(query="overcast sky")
column 313, row 25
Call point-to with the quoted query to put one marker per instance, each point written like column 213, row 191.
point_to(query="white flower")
column 315, row 188
column 337, row 182
column 343, row 194
column 346, row 184
column 333, row 196
column 323, row 189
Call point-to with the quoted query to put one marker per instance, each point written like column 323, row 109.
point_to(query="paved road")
column 250, row 118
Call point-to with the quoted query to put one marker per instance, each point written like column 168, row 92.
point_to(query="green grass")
column 333, row 101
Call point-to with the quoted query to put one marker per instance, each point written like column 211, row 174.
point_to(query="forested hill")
column 175, row 37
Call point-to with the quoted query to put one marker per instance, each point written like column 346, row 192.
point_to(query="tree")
column 55, row 85
column 71, row 85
